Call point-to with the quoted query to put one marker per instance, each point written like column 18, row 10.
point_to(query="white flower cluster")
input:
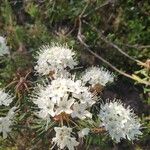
column 119, row 121
column 64, row 96
column 95, row 75
column 55, row 58
column 5, row 98
column 6, row 122
column 64, row 139
column 4, row 49
column 64, row 99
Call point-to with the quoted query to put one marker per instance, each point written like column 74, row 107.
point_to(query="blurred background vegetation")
column 116, row 30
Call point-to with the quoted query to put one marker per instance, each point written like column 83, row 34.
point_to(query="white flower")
column 6, row 122
column 43, row 113
column 86, row 97
column 46, row 106
column 55, row 58
column 64, row 139
column 95, row 75
column 65, row 105
column 60, row 96
column 83, row 132
column 11, row 112
column 79, row 110
column 119, row 121
column 5, row 98
column 3, row 47
column 5, row 126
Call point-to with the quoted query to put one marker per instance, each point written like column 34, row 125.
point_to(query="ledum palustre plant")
column 66, row 105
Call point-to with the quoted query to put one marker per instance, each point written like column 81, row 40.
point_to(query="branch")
column 78, row 18
column 114, row 45
column 135, row 46
column 79, row 37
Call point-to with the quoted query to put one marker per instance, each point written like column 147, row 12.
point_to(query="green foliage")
column 30, row 24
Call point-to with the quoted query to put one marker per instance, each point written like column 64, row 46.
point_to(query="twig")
column 76, row 20
column 81, row 14
column 106, row 62
column 135, row 46
column 114, row 45
column 79, row 37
